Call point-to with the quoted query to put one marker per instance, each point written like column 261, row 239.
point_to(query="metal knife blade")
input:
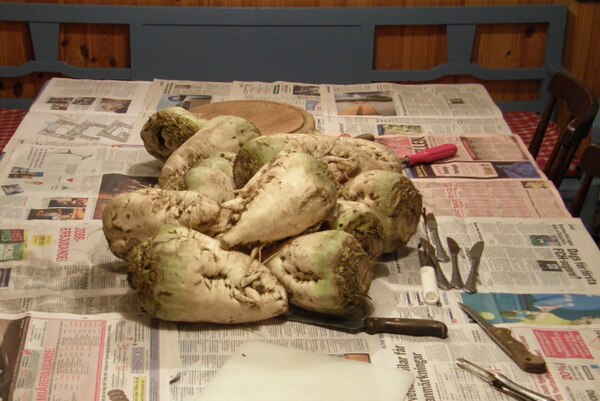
column 515, row 349
column 371, row 325
column 475, row 257
column 439, row 273
column 432, row 226
column 456, row 280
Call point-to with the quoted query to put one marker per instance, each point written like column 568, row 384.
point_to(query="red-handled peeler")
column 430, row 155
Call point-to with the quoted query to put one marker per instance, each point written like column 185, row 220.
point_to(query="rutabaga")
column 219, row 134
column 132, row 217
column 211, row 182
column 345, row 157
column 362, row 222
column 184, row 276
column 287, row 196
column 394, row 197
column 326, row 271
column 167, row 129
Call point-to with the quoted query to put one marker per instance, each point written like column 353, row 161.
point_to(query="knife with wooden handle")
column 371, row 325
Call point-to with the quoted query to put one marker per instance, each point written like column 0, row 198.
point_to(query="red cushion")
column 524, row 123
column 9, row 121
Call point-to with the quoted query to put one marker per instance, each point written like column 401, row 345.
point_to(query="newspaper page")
column 304, row 96
column 571, row 356
column 483, row 157
column 519, row 255
column 100, row 357
column 87, row 96
column 493, row 198
column 391, row 126
column 205, row 348
column 185, row 94
column 388, row 99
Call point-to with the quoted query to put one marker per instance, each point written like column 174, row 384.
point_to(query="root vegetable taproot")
column 345, row 158
column 167, row 129
column 132, row 217
column 287, row 196
column 211, row 182
column 394, row 197
column 219, row 134
column 184, row 276
column 325, row 271
column 362, row 222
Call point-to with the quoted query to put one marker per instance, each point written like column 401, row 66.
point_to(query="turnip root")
column 325, row 271
column 222, row 133
column 287, row 196
column 222, row 161
column 184, row 276
column 394, row 197
column 167, row 129
column 132, row 217
column 211, row 182
column 362, row 222
column 345, row 158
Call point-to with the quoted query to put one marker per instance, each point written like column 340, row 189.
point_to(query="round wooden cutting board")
column 269, row 117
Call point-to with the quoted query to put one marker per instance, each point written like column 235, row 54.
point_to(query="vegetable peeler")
column 501, row 382
column 430, row 155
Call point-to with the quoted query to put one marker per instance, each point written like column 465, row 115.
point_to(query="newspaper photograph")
column 64, row 95
column 100, row 357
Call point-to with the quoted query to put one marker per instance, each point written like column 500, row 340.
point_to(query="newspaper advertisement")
column 392, row 126
column 64, row 95
column 396, row 100
column 495, row 198
column 100, row 357
column 519, row 255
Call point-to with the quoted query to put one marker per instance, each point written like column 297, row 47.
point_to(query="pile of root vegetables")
column 241, row 224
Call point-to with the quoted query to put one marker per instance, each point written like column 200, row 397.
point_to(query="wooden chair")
column 582, row 106
column 590, row 165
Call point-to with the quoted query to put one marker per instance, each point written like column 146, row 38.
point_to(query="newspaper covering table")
column 79, row 147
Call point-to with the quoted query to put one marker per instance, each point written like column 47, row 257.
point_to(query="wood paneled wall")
column 396, row 47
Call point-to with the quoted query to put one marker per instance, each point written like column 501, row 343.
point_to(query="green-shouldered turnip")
column 167, row 129
column 219, row 134
column 287, row 196
column 184, row 276
column 394, row 197
column 132, row 217
column 345, row 157
column 362, row 222
column 325, row 271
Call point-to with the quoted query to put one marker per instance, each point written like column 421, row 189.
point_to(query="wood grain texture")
column 396, row 47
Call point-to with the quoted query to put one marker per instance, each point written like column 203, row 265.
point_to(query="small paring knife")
column 475, row 256
column 371, row 325
column 456, row 280
column 511, row 346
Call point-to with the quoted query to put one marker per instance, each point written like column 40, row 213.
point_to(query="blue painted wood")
column 314, row 45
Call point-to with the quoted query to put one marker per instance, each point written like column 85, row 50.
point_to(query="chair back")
column 582, row 106
column 590, row 164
